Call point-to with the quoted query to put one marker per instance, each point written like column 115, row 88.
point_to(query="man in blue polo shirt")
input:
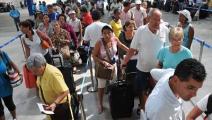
column 15, row 14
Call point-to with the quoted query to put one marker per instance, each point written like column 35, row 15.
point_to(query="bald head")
column 155, row 17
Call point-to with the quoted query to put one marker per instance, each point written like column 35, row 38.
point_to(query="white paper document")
column 42, row 108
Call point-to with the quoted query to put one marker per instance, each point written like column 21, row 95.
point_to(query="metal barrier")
column 202, row 45
column 10, row 41
column 80, row 94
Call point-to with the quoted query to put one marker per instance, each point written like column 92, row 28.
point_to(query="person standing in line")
column 188, row 29
column 53, row 90
column 171, row 56
column 6, row 90
column 204, row 105
column 147, row 42
column 126, row 13
column 76, row 24
column 116, row 22
column 165, row 101
column 15, row 14
column 139, row 13
column 108, row 41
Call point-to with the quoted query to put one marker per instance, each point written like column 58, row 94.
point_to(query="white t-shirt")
column 202, row 105
column 148, row 46
column 139, row 16
column 34, row 45
column 162, row 104
column 126, row 16
column 93, row 32
column 75, row 24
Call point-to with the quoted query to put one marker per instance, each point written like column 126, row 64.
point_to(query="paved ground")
column 25, row 99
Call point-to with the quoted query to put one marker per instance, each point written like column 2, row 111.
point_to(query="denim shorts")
column 141, row 82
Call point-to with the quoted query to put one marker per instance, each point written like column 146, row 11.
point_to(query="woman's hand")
column 106, row 64
column 51, row 107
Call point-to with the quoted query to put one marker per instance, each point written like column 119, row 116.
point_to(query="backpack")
column 209, row 106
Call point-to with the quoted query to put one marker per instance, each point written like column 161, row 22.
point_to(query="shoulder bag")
column 102, row 71
column 44, row 42
column 14, row 77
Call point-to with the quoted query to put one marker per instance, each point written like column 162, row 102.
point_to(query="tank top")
column 112, row 50
column 186, row 35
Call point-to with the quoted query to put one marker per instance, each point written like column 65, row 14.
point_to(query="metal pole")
column 201, row 50
column 91, row 88
column 83, row 115
column 22, row 44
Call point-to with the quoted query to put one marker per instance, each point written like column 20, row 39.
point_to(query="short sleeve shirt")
column 75, row 24
column 162, row 104
column 148, row 46
column 5, row 87
column 117, row 27
column 34, row 44
column 171, row 60
column 52, row 84
column 126, row 16
column 139, row 16
column 93, row 32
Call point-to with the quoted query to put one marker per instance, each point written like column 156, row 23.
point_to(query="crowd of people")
column 136, row 37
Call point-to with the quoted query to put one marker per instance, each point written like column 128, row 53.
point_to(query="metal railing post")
column 81, row 105
column 201, row 50
column 91, row 88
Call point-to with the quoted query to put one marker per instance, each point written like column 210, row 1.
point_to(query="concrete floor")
column 26, row 99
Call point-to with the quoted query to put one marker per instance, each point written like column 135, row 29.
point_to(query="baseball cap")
column 186, row 13
column 138, row 2
column 71, row 12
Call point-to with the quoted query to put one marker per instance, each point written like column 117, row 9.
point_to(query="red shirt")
column 87, row 19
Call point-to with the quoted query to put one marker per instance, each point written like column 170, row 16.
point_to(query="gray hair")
column 35, row 60
column 152, row 11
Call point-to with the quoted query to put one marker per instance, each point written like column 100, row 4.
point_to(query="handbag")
column 44, row 42
column 29, row 78
column 57, row 58
column 14, row 77
column 75, row 57
column 102, row 71
column 65, row 52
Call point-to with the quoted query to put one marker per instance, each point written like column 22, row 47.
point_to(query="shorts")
column 8, row 101
column 141, row 82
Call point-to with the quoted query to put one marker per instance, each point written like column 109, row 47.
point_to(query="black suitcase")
column 84, row 53
column 66, row 70
column 121, row 99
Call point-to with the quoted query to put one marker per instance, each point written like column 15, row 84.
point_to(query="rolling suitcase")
column 66, row 70
column 121, row 99
column 84, row 53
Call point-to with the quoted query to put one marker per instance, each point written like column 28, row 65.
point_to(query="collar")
column 170, row 95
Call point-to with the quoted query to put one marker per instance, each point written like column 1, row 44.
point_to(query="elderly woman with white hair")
column 53, row 90
column 171, row 56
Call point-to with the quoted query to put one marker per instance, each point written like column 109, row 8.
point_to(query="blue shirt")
column 14, row 13
column 53, row 16
column 5, row 87
column 171, row 60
